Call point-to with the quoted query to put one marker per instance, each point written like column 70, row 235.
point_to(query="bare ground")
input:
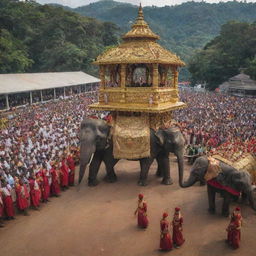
column 95, row 221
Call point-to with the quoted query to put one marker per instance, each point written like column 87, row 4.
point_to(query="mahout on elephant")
column 228, row 181
column 97, row 147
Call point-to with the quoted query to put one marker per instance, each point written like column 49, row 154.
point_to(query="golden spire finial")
column 140, row 19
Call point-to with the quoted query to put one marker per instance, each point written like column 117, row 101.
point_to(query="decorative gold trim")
column 138, row 107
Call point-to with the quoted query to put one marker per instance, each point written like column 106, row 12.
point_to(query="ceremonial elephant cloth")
column 131, row 137
column 165, row 239
column 216, row 184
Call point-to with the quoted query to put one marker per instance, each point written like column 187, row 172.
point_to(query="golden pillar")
column 175, row 74
column 123, row 75
column 155, row 75
column 102, row 76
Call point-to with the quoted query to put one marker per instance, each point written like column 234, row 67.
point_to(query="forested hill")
column 183, row 28
column 44, row 38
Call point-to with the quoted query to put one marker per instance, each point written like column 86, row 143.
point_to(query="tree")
column 223, row 56
column 13, row 54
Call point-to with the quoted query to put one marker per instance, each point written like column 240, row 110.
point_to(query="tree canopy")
column 45, row 38
column 183, row 28
column 224, row 56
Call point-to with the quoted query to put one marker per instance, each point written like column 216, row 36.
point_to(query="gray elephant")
column 229, row 182
column 96, row 146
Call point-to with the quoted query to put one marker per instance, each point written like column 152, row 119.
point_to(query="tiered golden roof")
column 139, row 46
column 139, row 75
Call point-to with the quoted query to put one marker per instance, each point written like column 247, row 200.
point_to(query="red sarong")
column 35, row 194
column 1, row 205
column 142, row 216
column 22, row 197
column 72, row 166
column 8, row 206
column 45, row 186
column 64, row 174
column 1, row 210
column 177, row 235
column 55, row 186
column 234, row 234
column 165, row 239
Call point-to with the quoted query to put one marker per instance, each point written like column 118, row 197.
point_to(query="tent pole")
column 54, row 93
column 41, row 94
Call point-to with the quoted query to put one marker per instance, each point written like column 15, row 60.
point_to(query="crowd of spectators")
column 38, row 152
column 218, row 123
column 40, row 145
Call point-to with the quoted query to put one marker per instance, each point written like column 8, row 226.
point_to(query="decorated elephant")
column 221, row 178
column 97, row 146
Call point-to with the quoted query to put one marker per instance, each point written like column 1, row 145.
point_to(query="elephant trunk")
column 86, row 154
column 190, row 182
column 180, row 167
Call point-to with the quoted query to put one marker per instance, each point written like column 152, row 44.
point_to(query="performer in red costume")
column 7, row 200
column 72, row 166
column 35, row 193
column 45, row 184
column 55, row 186
column 165, row 237
column 142, row 212
column 22, row 197
column 177, row 222
column 1, row 210
column 64, row 174
column 234, row 229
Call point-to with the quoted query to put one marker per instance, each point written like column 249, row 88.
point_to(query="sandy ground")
column 95, row 221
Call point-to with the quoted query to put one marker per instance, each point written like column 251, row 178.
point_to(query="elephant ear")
column 160, row 136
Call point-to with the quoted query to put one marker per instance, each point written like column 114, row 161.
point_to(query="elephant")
column 96, row 145
column 231, row 181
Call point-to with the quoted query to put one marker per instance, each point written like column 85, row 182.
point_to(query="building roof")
column 139, row 46
column 239, row 82
column 24, row 82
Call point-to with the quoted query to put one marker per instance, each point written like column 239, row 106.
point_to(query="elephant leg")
column 166, row 170
column 159, row 172
column 226, row 201
column 110, row 162
column 94, row 168
column 145, row 164
column 244, row 197
column 251, row 199
column 211, row 198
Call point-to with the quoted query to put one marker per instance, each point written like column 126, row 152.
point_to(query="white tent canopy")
column 26, row 82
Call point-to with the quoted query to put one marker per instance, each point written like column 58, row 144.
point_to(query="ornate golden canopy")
column 139, row 75
column 139, row 46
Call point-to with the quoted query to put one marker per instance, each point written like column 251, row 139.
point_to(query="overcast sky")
column 75, row 3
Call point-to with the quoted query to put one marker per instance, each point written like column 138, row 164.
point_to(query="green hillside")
column 183, row 28
column 43, row 38
column 225, row 55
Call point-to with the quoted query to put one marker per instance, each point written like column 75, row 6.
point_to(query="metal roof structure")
column 25, row 82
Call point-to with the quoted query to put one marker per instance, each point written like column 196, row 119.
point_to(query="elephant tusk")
column 91, row 159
